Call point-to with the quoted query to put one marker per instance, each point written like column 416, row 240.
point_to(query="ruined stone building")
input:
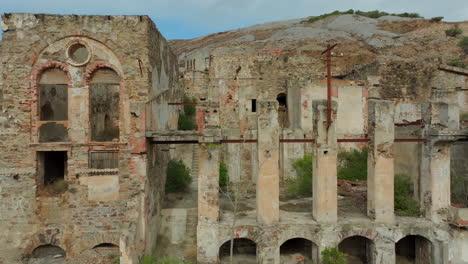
column 89, row 112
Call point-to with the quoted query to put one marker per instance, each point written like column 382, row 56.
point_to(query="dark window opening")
column 104, row 160
column 282, row 110
column 105, row 245
column 358, row 249
column 53, row 96
column 52, row 166
column 49, row 252
column 413, row 250
column 282, row 99
column 104, row 106
column 254, row 105
column 298, row 249
column 245, row 251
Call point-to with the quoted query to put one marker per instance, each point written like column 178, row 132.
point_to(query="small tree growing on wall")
column 235, row 192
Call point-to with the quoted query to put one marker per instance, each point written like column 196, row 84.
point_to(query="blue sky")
column 182, row 19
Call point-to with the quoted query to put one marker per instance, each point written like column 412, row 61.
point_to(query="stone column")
column 435, row 159
column 380, row 169
column 435, row 182
column 268, row 163
column 208, row 203
column 324, row 182
column 384, row 251
column 268, row 255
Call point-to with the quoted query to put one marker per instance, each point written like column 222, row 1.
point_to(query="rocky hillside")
column 361, row 40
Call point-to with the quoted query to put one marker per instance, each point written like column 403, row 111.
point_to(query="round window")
column 78, row 53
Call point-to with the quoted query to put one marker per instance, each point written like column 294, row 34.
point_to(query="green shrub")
column 456, row 62
column 453, row 32
column 187, row 118
column 464, row 116
column 353, row 165
column 301, row 185
column 405, row 204
column 437, row 19
column 164, row 260
column 178, row 176
column 223, row 175
column 463, row 44
column 333, row 256
column 189, row 110
column 186, row 122
column 370, row 14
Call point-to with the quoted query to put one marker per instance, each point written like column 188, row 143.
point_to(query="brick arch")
column 52, row 237
column 249, row 232
column 311, row 238
column 400, row 236
column 38, row 48
column 39, row 70
column 367, row 233
column 93, row 67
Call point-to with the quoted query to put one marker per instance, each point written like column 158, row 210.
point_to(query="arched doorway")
column 244, row 251
column 414, row 249
column 359, row 250
column 48, row 254
column 296, row 250
column 282, row 110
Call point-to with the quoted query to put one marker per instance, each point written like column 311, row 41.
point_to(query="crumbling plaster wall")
column 71, row 220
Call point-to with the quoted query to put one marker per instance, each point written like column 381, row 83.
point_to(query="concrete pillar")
column 268, row 255
column 208, row 203
column 435, row 160
column 384, row 251
column 380, row 169
column 324, row 181
column 435, row 180
column 268, row 163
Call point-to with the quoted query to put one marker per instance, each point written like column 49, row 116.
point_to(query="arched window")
column 53, row 98
column 244, row 251
column 104, row 105
column 358, row 249
column 414, row 249
column 299, row 250
column 48, row 252
column 282, row 110
column 53, row 105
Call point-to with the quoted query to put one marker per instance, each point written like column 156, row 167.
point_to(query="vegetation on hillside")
column 453, row 32
column 370, row 14
column 178, row 176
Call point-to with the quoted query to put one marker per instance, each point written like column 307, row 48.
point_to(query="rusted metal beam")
column 352, row 140
column 161, row 142
column 410, row 140
column 328, row 51
column 239, row 141
column 182, row 103
column 303, row 140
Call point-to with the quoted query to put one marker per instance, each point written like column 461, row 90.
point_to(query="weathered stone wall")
column 100, row 206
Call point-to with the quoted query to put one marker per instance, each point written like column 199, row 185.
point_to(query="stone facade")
column 87, row 130
column 114, row 193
